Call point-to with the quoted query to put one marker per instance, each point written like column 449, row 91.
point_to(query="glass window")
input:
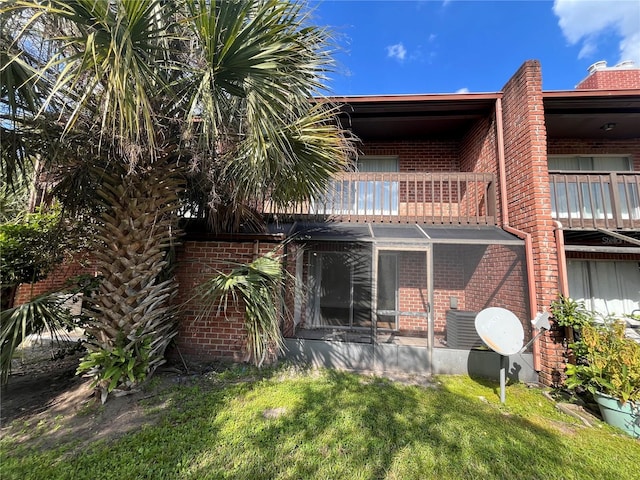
column 606, row 287
column 612, row 163
column 377, row 164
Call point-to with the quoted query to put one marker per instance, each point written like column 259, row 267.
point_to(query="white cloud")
column 463, row 90
column 584, row 22
column 397, row 51
column 589, row 49
column 630, row 46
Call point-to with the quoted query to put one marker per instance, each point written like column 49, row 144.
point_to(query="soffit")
column 582, row 113
column 403, row 117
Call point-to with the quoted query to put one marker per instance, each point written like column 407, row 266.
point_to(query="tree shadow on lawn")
column 35, row 388
column 325, row 424
column 364, row 427
column 160, row 439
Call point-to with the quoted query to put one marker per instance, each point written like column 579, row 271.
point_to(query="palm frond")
column 105, row 61
column 298, row 162
column 257, row 286
column 43, row 313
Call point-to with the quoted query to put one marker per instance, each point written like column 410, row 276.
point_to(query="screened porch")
column 416, row 288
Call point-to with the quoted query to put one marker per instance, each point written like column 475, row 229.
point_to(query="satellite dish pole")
column 504, row 364
column 502, row 332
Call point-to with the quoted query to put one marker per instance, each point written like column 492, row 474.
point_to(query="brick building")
column 457, row 203
column 468, row 201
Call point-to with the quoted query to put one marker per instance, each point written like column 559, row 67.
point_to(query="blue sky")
column 447, row 46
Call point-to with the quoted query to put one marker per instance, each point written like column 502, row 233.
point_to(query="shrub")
column 611, row 362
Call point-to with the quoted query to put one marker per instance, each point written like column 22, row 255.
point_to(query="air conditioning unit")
column 461, row 330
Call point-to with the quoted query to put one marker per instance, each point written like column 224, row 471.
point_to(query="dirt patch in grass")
column 36, row 386
column 45, row 400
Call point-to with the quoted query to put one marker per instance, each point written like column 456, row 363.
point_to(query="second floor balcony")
column 593, row 200
column 445, row 198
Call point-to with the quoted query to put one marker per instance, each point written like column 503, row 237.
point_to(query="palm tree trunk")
column 133, row 309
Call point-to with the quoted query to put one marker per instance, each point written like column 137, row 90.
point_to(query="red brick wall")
column 528, row 193
column 55, row 280
column 213, row 337
column 527, row 175
column 499, row 280
column 478, row 153
column 419, row 156
column 611, row 79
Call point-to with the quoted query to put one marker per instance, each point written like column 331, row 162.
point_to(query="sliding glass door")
column 340, row 290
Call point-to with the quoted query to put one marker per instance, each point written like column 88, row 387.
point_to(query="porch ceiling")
column 568, row 114
column 581, row 114
column 601, row 241
column 400, row 234
column 414, row 116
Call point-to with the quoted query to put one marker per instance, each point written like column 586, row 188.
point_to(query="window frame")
column 626, row 156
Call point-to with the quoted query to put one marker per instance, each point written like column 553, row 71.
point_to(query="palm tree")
column 139, row 109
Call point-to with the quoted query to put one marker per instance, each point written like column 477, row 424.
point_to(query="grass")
column 288, row 424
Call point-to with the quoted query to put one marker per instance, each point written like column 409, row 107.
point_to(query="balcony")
column 389, row 197
column 589, row 201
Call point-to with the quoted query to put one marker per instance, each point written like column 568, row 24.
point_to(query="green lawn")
column 286, row 424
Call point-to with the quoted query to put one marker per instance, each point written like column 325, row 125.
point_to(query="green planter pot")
column 624, row 416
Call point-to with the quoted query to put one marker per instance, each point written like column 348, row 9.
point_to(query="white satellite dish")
column 500, row 330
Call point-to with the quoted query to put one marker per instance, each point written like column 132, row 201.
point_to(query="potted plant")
column 608, row 366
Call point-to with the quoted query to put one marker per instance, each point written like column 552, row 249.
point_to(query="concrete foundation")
column 408, row 359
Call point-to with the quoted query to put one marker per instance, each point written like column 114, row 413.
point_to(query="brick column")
column 528, row 195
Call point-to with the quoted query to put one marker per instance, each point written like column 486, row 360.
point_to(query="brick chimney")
column 624, row 75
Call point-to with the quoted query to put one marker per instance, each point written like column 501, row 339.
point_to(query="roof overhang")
column 583, row 113
column 401, row 117
column 602, row 241
column 568, row 114
column 393, row 234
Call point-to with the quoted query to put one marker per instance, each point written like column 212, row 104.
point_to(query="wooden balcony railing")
column 430, row 198
column 586, row 201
